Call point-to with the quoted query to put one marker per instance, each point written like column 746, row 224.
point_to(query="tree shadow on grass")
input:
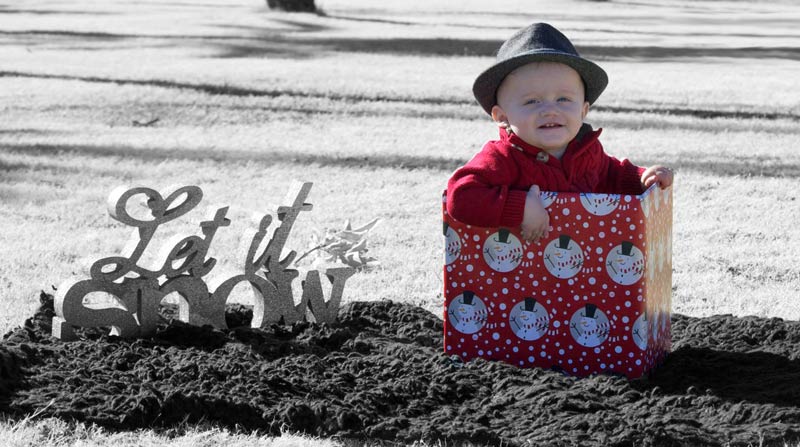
column 775, row 169
column 301, row 43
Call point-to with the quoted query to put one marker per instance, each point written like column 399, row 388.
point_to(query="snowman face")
column 563, row 262
column 589, row 331
column 502, row 256
column 467, row 318
column 625, row 269
column 529, row 324
column 640, row 333
column 600, row 204
column 587, row 324
column 452, row 247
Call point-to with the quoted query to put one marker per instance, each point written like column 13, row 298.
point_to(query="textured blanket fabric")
column 379, row 373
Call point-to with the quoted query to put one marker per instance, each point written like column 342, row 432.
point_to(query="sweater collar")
column 585, row 138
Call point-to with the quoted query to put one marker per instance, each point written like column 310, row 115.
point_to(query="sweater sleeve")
column 479, row 193
column 623, row 177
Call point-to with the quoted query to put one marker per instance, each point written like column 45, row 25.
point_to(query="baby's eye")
column 564, row 99
column 531, row 101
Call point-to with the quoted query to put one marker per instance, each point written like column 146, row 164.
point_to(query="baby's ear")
column 585, row 110
column 499, row 116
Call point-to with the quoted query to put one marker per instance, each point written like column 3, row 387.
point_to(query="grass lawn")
column 371, row 101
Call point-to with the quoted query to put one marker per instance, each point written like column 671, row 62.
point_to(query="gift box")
column 593, row 297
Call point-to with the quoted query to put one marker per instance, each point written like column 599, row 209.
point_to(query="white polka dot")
column 496, row 336
column 502, row 306
column 592, row 281
column 565, row 211
column 618, row 349
column 601, row 234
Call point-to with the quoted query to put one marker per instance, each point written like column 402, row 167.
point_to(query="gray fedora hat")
column 539, row 42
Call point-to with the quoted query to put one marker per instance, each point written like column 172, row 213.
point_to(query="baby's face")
column 544, row 104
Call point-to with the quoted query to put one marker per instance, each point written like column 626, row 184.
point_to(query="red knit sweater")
column 490, row 190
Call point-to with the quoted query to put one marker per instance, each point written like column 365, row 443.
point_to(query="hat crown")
column 539, row 42
column 536, row 38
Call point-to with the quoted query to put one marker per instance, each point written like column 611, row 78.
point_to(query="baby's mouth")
column 550, row 126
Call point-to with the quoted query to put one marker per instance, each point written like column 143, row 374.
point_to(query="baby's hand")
column 657, row 174
column 535, row 220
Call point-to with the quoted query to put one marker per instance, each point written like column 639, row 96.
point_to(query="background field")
column 371, row 101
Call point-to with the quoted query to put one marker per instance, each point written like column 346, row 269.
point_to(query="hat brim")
column 486, row 84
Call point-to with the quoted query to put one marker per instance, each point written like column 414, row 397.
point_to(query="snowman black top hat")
column 530, row 303
column 502, row 235
column 591, row 309
column 627, row 247
column 539, row 42
column 563, row 241
column 467, row 297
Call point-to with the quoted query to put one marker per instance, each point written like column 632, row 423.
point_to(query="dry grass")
column 372, row 102
column 53, row 432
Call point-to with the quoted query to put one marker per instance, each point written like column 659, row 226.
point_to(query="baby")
column 538, row 92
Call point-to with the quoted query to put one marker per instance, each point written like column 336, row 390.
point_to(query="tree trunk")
column 293, row 5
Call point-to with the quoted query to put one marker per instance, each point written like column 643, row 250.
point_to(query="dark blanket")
column 379, row 374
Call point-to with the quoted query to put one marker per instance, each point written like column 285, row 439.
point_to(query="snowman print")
column 600, row 204
column 589, row 326
column 452, row 244
column 467, row 313
column 502, row 251
column 640, row 332
column 625, row 264
column 529, row 320
column 547, row 197
column 563, row 257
